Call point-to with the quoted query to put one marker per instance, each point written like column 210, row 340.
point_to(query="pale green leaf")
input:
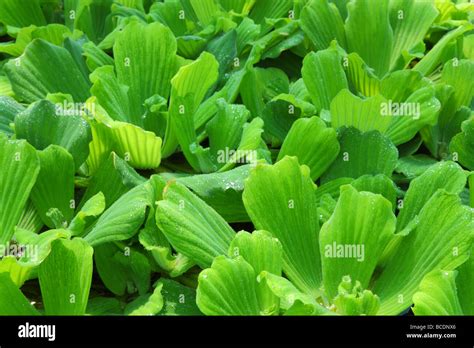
column 192, row 227
column 280, row 199
column 313, row 143
column 70, row 261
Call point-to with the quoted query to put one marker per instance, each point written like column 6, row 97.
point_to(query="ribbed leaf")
column 361, row 76
column 292, row 300
column 70, row 261
column 222, row 191
column 410, row 22
column 322, row 23
column 280, row 199
column 141, row 148
column 443, row 175
column 229, row 287
column 356, row 148
column 113, row 178
column 19, row 165
column 192, row 227
column 145, row 60
column 369, row 33
column 324, row 76
column 54, row 187
column 42, row 126
column 456, row 73
column 363, row 114
column 21, row 14
column 45, row 68
column 178, row 299
column 146, row 304
column 353, row 239
column 264, row 253
column 122, row 220
column 9, row 108
column 434, row 57
column 379, row 184
column 462, row 145
column 465, row 283
column 313, row 143
column 12, row 300
column 424, row 111
column 437, row 295
column 189, row 87
column 441, row 240
column 269, row 9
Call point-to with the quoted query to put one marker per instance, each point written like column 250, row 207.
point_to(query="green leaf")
column 18, row 273
column 136, row 267
column 189, row 86
column 103, row 306
column 92, row 18
column 9, row 108
column 45, row 68
column 192, row 227
column 113, row 178
column 250, row 142
column 269, row 9
column 423, row 112
column 222, row 191
column 361, row 77
column 42, row 125
column 229, row 287
column 356, row 148
column 322, row 23
column 260, row 85
column 437, row 295
column 140, row 147
column 324, row 76
column 441, row 240
column 410, row 21
column 21, row 14
column 92, row 208
column 264, row 253
column 379, row 184
column 54, row 187
column 178, row 299
column 41, row 244
column 20, row 168
column 353, row 239
column 111, row 94
column 145, row 60
column 110, row 270
column 286, row 188
column 12, row 300
column 354, row 300
column 153, row 240
column 464, row 282
column 225, row 129
column 122, row 219
column 368, row 33
column 292, row 300
column 443, row 175
column 70, row 261
column 462, row 144
column 95, row 57
column 30, row 219
column 434, row 57
column 414, row 165
column 313, row 143
column 456, row 73
column 363, row 114
column 146, row 304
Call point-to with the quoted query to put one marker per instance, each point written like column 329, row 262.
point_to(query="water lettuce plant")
column 236, row 157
